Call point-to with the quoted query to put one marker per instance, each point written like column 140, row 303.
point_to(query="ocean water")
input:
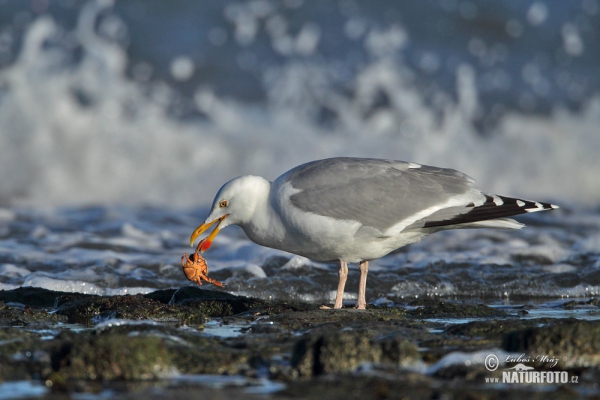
column 119, row 121
column 128, row 250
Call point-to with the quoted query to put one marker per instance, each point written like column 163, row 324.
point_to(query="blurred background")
column 156, row 102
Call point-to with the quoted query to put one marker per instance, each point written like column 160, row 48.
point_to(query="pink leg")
column 361, row 304
column 343, row 273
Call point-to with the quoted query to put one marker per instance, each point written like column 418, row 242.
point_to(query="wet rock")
column 410, row 385
column 128, row 307
column 351, row 386
column 113, row 357
column 337, row 351
column 343, row 353
column 33, row 297
column 22, row 354
column 178, row 296
column 435, row 308
column 13, row 340
column 495, row 328
column 471, row 373
column 214, row 303
column 569, row 305
column 573, row 342
column 18, row 314
column 300, row 318
column 143, row 351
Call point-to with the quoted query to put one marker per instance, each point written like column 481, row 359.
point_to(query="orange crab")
column 196, row 268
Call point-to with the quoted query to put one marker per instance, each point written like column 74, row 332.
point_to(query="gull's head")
column 234, row 204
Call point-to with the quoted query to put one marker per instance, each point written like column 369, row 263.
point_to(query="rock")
column 33, row 297
column 22, row 354
column 142, row 351
column 435, row 308
column 573, row 342
column 337, row 351
column 113, row 357
column 128, row 307
column 569, row 305
column 494, row 328
column 18, row 314
column 211, row 303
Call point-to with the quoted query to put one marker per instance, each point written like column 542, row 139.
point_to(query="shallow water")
column 22, row 390
column 119, row 250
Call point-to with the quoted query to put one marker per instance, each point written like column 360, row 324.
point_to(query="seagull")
column 354, row 210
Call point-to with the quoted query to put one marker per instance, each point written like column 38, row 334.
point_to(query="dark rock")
column 310, row 316
column 337, row 351
column 471, row 373
column 495, row 328
column 435, row 308
column 119, row 356
column 569, row 305
column 128, row 307
column 33, row 297
column 113, row 357
column 22, row 354
column 211, row 303
column 143, row 351
column 573, row 342
column 23, row 315
column 410, row 385
column 177, row 296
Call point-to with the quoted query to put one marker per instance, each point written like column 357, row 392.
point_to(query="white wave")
column 75, row 286
column 83, row 132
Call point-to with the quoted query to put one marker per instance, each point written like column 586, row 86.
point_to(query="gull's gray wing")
column 377, row 193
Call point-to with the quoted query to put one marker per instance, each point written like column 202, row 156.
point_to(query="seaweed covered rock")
column 211, row 303
column 128, row 307
column 139, row 351
column 113, row 357
column 572, row 341
column 22, row 354
column 337, row 351
column 435, row 308
column 18, row 314
column 34, row 297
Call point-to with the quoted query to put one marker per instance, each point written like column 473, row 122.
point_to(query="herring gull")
column 354, row 210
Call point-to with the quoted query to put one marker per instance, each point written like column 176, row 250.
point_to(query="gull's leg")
column 343, row 273
column 361, row 304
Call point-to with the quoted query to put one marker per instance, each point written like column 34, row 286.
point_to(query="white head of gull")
column 354, row 210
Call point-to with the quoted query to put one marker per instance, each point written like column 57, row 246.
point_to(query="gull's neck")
column 264, row 226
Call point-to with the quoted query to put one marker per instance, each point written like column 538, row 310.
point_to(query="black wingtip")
column 493, row 207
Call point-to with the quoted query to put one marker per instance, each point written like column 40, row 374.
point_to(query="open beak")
column 199, row 230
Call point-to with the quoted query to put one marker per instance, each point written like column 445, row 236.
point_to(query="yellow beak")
column 199, row 230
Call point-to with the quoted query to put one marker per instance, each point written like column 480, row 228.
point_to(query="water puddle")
column 22, row 390
column 216, row 328
column 251, row 385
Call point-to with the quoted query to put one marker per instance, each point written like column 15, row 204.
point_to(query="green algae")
column 435, row 308
column 135, row 307
column 315, row 352
column 571, row 341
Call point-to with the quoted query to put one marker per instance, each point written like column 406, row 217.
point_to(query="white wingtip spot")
column 498, row 201
column 414, row 166
column 520, row 203
column 554, row 206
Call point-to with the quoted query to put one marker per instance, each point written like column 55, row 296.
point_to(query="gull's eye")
column 223, row 203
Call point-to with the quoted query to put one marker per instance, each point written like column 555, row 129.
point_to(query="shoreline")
column 193, row 340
